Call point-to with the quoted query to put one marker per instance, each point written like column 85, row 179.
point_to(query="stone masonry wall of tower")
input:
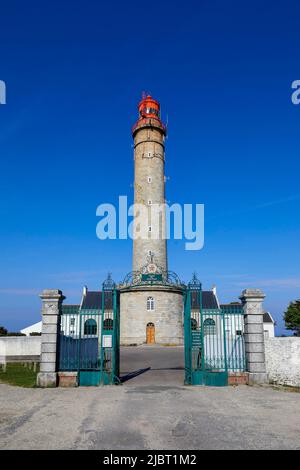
column 149, row 188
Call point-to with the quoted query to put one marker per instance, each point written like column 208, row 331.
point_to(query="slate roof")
column 232, row 304
column 93, row 300
column 232, row 307
column 268, row 318
column 70, row 308
column 209, row 300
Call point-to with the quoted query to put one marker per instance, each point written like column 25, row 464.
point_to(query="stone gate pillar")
column 51, row 308
column 252, row 300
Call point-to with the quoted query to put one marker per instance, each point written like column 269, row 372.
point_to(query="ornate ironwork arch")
column 152, row 274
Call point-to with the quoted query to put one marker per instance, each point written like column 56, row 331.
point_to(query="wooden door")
column 150, row 333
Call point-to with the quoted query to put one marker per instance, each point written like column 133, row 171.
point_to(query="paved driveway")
column 150, row 411
column 152, row 365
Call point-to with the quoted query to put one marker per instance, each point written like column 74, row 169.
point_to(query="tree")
column 3, row 331
column 292, row 317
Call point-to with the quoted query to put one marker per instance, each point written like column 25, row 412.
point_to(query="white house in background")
column 35, row 328
column 269, row 325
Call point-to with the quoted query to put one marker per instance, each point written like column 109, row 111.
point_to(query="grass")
column 19, row 375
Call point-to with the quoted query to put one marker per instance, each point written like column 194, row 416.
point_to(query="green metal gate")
column 214, row 341
column 89, row 341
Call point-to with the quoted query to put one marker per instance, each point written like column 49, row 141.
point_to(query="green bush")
column 15, row 333
column 3, row 331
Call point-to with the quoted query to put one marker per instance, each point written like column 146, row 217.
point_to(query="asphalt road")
column 152, row 410
column 150, row 365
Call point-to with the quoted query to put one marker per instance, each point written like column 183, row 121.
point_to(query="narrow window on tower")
column 149, row 202
column 150, row 304
column 149, row 179
column 149, row 228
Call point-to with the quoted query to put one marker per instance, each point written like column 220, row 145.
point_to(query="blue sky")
column 75, row 72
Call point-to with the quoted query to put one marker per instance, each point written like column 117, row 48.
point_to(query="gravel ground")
column 152, row 410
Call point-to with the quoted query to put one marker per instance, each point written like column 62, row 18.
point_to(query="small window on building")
column 149, row 202
column 72, row 321
column 149, row 179
column 150, row 304
column 239, row 332
column 194, row 324
column 108, row 324
column 149, row 154
column 149, row 228
column 266, row 333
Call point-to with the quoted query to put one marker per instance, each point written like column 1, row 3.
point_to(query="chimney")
column 214, row 291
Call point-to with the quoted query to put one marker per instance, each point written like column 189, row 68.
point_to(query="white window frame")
column 150, row 304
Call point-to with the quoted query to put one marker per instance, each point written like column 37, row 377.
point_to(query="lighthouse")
column 149, row 135
column 151, row 298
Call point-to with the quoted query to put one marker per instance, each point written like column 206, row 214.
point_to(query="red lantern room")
column 149, row 110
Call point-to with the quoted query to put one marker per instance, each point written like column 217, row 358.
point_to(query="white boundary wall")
column 18, row 348
column 283, row 360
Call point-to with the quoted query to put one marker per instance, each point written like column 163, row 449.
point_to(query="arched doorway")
column 150, row 333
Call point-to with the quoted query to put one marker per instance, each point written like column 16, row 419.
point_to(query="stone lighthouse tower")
column 149, row 185
column 151, row 296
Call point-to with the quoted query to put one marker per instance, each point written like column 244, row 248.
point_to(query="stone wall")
column 20, row 348
column 283, row 360
column 167, row 316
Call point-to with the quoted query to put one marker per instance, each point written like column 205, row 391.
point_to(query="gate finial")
column 195, row 282
column 109, row 284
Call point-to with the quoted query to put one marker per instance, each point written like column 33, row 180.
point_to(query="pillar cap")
column 252, row 294
column 52, row 294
